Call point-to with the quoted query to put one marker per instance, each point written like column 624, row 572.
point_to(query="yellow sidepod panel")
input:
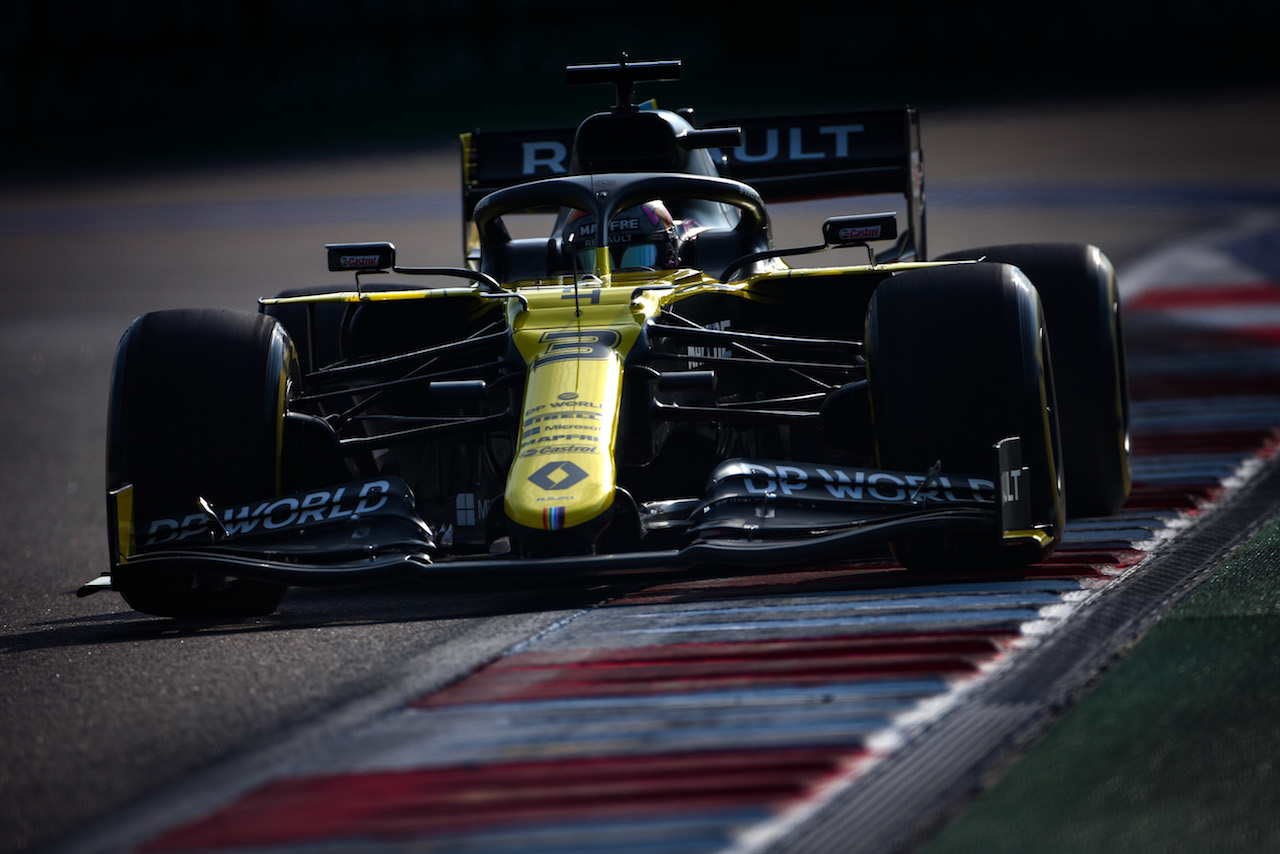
column 575, row 347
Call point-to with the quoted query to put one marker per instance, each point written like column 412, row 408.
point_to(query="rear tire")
column 197, row 411
column 958, row 359
column 1077, row 286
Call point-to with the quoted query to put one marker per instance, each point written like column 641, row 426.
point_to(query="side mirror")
column 859, row 229
column 361, row 257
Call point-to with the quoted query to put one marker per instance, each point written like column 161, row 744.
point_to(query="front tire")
column 958, row 359
column 1077, row 285
column 197, row 411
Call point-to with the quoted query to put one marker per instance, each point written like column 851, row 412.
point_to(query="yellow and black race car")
column 625, row 377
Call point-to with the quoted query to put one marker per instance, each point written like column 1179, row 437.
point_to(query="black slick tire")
column 197, row 409
column 1077, row 287
column 958, row 359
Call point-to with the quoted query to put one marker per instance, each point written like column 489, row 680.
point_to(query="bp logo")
column 557, row 475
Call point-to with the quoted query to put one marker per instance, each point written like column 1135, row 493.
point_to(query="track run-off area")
column 832, row 708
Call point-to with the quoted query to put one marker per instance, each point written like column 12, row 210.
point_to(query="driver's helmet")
column 642, row 236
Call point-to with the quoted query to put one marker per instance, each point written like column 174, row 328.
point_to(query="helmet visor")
column 644, row 236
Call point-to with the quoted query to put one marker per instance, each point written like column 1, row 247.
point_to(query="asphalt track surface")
column 104, row 711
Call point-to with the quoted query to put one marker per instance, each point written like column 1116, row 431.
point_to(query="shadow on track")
column 306, row 609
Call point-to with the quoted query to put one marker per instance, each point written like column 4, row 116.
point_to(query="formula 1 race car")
column 624, row 378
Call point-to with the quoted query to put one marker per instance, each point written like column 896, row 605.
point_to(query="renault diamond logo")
column 557, row 475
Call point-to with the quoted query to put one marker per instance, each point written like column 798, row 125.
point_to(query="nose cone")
column 564, row 474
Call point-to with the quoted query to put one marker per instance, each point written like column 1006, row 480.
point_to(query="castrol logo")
column 861, row 232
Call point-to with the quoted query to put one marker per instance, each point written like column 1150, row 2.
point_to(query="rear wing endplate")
column 786, row 159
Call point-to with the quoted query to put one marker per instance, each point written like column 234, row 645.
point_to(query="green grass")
column 1176, row 749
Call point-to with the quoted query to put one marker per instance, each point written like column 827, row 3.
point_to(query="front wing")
column 756, row 515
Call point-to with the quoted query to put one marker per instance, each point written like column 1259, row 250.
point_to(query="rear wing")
column 493, row 160
column 866, row 153
column 786, row 159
